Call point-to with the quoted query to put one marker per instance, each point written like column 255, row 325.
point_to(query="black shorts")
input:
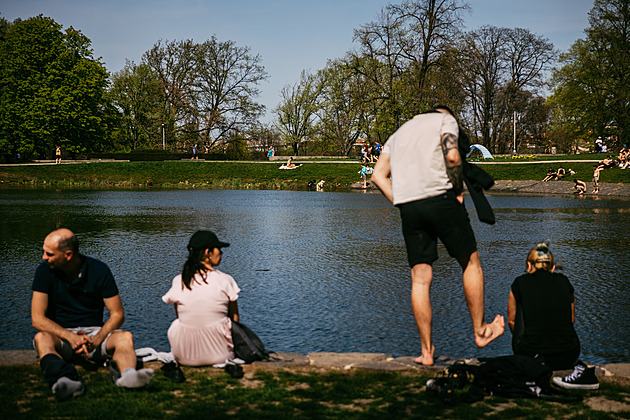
column 443, row 217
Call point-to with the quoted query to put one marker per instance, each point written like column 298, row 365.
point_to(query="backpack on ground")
column 247, row 345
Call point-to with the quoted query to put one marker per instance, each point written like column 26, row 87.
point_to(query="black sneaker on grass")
column 582, row 377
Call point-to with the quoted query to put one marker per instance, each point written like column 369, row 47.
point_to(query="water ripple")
column 319, row 271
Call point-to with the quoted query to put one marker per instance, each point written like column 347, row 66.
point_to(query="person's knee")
column 472, row 260
column 421, row 275
column 45, row 342
column 120, row 340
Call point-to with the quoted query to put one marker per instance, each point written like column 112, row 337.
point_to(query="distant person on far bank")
column 376, row 151
column 561, row 172
column 420, row 171
column 70, row 291
column 551, row 174
column 364, row 172
column 541, row 314
column 596, row 170
column 579, row 186
column 195, row 152
column 58, row 155
column 623, row 158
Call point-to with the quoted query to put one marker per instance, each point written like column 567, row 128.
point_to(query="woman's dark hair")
column 193, row 266
column 445, row 108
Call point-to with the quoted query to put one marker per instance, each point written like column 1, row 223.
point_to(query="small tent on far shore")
column 484, row 152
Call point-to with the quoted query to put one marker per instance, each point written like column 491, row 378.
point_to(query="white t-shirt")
column 416, row 158
column 201, row 335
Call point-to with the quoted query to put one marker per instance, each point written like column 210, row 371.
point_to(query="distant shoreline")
column 510, row 177
column 559, row 187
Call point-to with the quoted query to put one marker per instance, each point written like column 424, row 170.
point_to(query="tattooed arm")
column 453, row 162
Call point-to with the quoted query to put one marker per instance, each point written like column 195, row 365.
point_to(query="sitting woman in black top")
column 541, row 313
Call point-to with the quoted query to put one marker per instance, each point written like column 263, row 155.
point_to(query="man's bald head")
column 64, row 239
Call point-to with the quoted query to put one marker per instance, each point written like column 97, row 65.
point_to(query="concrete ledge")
column 283, row 360
column 341, row 361
column 17, row 357
column 347, row 360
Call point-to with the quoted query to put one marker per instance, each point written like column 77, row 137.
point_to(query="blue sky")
column 289, row 35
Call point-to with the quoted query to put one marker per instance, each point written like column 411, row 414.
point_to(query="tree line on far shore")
column 414, row 55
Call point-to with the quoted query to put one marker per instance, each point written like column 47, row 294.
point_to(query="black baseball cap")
column 205, row 239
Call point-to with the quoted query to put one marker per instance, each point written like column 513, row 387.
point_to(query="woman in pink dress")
column 205, row 301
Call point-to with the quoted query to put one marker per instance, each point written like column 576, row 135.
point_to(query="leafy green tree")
column 51, row 90
column 137, row 94
column 344, row 116
column 237, row 149
column 592, row 88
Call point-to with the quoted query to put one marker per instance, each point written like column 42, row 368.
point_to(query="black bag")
column 247, row 345
column 514, row 376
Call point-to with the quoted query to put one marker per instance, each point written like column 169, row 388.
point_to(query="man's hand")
column 81, row 344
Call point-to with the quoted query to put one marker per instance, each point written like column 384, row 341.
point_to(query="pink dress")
column 201, row 335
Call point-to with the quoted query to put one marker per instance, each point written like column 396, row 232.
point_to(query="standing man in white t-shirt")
column 420, row 172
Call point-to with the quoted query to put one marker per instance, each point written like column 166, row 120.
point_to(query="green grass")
column 277, row 394
column 252, row 175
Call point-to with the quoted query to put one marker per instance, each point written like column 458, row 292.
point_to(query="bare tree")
column 209, row 88
column 430, row 29
column 529, row 57
column 379, row 59
column 297, row 110
column 173, row 63
column 483, row 54
column 225, row 87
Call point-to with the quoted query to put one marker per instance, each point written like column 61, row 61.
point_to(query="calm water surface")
column 319, row 271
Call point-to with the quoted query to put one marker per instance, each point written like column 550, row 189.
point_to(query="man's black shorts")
column 424, row 221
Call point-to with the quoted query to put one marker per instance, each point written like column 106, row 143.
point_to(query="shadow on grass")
column 278, row 394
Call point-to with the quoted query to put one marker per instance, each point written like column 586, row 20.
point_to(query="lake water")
column 320, row 271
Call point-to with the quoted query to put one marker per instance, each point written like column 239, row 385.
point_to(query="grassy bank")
column 283, row 394
column 249, row 175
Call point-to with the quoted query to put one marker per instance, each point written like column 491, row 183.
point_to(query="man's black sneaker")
column 173, row 372
column 582, row 377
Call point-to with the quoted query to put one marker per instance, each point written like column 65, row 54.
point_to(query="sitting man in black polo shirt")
column 70, row 291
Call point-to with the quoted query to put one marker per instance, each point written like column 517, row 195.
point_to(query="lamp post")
column 514, row 132
column 163, row 138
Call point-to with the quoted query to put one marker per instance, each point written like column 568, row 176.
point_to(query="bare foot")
column 490, row 331
column 426, row 359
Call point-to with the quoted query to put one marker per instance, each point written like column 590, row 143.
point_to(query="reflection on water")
column 319, row 271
